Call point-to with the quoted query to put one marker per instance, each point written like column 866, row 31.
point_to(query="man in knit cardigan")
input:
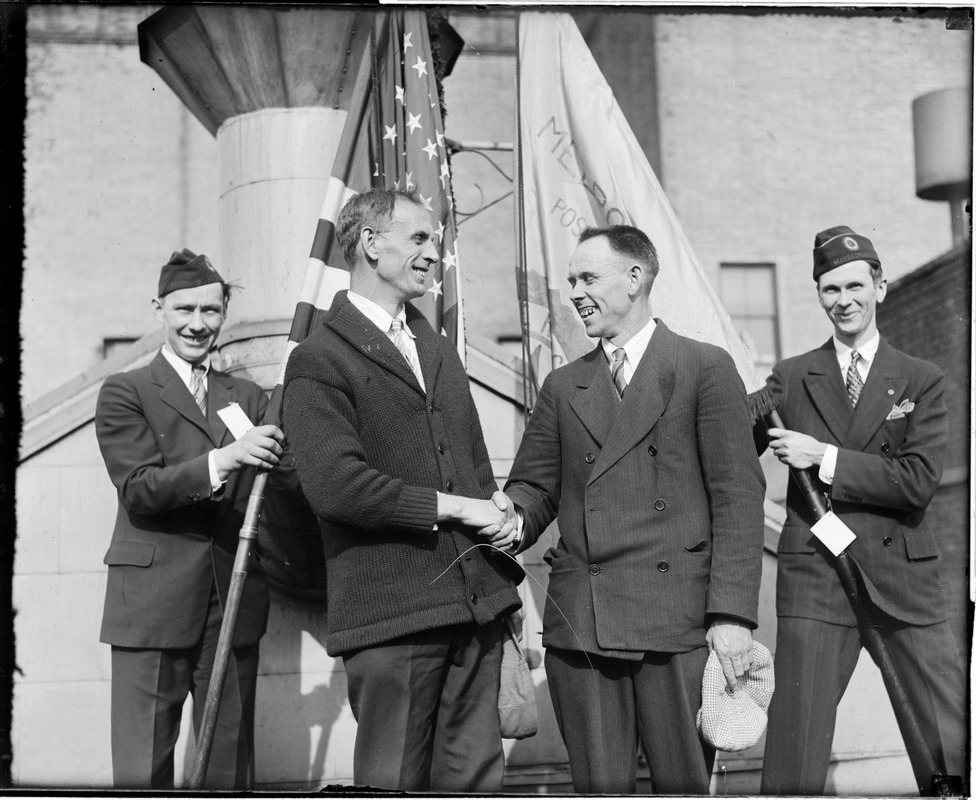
column 391, row 457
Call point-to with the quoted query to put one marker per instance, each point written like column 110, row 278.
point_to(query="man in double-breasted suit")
column 871, row 421
column 183, row 483
column 643, row 449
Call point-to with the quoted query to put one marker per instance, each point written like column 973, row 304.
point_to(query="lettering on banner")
column 568, row 216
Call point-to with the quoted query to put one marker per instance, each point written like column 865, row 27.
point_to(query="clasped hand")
column 259, row 447
column 795, row 449
column 732, row 642
column 495, row 519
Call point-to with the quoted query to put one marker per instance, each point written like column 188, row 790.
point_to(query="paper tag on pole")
column 835, row 535
column 235, row 419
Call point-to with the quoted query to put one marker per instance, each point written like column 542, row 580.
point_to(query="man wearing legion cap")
column 183, row 481
column 871, row 423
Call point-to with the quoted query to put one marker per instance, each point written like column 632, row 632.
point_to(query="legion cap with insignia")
column 185, row 270
column 840, row 245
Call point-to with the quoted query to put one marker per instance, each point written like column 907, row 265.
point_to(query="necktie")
column 854, row 382
column 198, row 386
column 398, row 337
column 617, row 370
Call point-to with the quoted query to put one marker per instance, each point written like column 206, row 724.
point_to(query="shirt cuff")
column 519, row 523
column 216, row 484
column 829, row 464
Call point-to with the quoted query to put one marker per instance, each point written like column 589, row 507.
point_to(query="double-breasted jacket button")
column 594, row 569
column 474, row 599
column 440, row 449
column 450, row 486
column 660, row 505
column 885, row 447
column 886, row 541
column 663, row 566
column 652, row 450
column 590, row 458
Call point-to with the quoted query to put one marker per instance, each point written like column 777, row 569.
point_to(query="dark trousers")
column 427, row 709
column 814, row 663
column 149, row 688
column 603, row 704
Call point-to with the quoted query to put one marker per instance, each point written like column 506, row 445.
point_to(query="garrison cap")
column 840, row 245
column 186, row 270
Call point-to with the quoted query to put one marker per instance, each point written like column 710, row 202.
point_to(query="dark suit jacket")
column 372, row 450
column 659, row 499
column 887, row 472
column 172, row 538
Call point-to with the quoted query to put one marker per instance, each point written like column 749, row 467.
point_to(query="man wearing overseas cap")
column 183, row 481
column 871, row 423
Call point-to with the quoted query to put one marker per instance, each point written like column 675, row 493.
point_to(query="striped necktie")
column 398, row 337
column 198, row 386
column 617, row 371
column 854, row 382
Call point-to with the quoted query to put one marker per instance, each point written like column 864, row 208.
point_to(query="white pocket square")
column 900, row 410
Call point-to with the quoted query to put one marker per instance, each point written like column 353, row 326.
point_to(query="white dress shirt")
column 382, row 319
column 635, row 348
column 185, row 370
column 867, row 353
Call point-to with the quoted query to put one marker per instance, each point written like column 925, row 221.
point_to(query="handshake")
column 495, row 519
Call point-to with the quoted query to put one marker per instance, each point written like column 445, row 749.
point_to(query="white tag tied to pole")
column 235, row 419
column 832, row 531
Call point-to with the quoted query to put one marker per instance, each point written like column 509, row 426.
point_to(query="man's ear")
column 882, row 290
column 157, row 308
column 367, row 238
column 635, row 275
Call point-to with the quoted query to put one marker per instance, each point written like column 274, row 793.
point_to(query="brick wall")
column 117, row 176
column 775, row 126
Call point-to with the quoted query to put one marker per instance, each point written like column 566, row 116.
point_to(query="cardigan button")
column 663, row 566
column 440, row 449
column 660, row 505
column 474, row 599
column 590, row 458
column 450, row 486
column 652, row 450
column 885, row 447
column 886, row 541
column 594, row 569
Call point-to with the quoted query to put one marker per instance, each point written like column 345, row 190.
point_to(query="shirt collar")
column 866, row 351
column 636, row 346
column 378, row 315
column 183, row 368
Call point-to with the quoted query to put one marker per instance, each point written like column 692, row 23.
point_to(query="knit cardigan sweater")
column 372, row 449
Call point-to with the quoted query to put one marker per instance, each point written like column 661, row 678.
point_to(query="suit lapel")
column 596, row 404
column 883, row 388
column 644, row 401
column 827, row 391
column 353, row 326
column 173, row 392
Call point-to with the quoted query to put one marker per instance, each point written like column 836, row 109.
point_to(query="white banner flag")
column 582, row 166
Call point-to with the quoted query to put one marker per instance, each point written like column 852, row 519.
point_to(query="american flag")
column 393, row 138
column 413, row 157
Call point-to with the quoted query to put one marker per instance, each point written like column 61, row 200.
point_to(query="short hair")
column 630, row 242
column 371, row 209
